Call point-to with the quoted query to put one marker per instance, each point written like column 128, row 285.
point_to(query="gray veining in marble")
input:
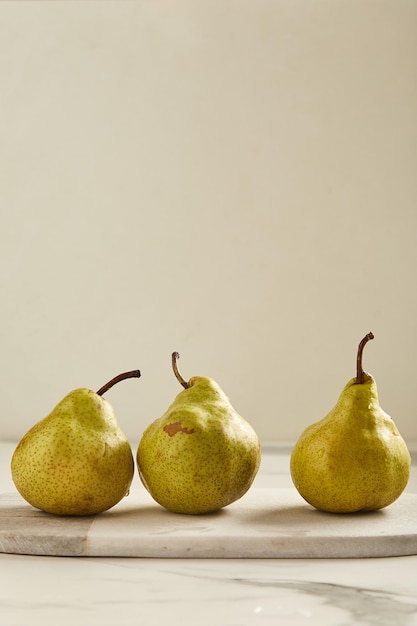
column 367, row 607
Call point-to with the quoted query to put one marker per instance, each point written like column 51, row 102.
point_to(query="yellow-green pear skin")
column 354, row 459
column 76, row 461
column 201, row 455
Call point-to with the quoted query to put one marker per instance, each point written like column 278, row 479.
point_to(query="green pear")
column 354, row 459
column 201, row 455
column 77, row 460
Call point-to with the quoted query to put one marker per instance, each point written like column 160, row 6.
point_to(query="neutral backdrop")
column 235, row 180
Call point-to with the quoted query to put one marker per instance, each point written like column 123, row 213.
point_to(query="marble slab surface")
column 100, row 591
column 265, row 523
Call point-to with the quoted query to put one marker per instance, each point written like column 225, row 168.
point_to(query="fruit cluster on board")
column 201, row 455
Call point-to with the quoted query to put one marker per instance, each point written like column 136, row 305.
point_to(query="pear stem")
column 175, row 356
column 117, row 379
column 360, row 374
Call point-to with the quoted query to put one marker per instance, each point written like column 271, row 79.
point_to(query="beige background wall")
column 235, row 180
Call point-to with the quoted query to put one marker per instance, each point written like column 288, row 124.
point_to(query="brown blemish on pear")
column 176, row 427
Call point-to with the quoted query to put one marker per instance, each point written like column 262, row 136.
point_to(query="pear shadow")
column 303, row 516
column 25, row 511
column 150, row 510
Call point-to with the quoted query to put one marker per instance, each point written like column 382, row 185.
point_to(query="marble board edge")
column 117, row 533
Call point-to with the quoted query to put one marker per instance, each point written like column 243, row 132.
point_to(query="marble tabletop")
column 41, row 590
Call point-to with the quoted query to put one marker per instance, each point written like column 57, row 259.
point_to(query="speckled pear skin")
column 354, row 459
column 200, row 455
column 76, row 461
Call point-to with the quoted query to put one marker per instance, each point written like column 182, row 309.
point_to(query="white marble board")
column 265, row 523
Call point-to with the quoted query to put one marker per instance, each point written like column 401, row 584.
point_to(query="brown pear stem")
column 117, row 379
column 175, row 356
column 360, row 374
